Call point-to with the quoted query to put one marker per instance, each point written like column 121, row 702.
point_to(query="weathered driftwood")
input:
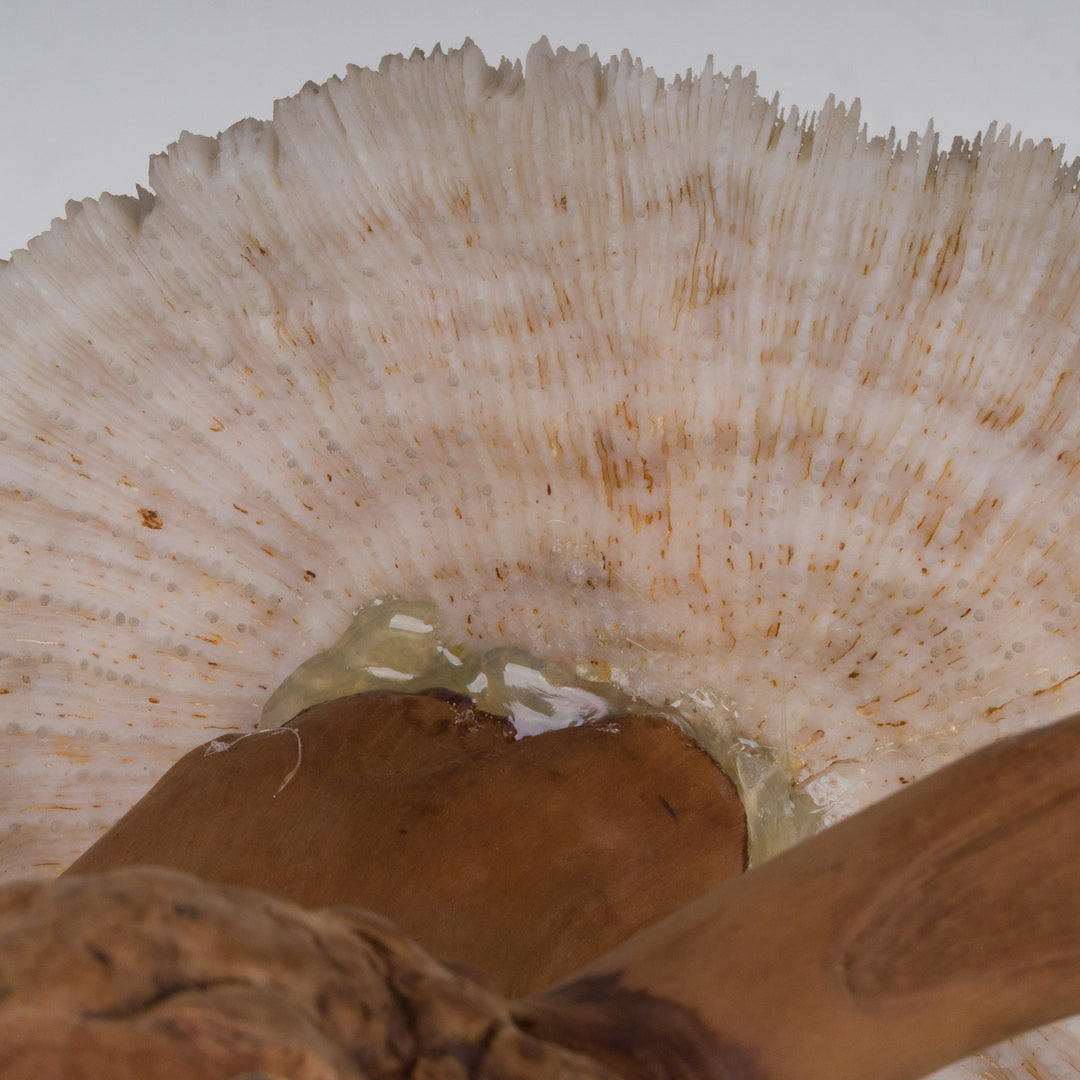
column 149, row 974
column 931, row 925
column 927, row 926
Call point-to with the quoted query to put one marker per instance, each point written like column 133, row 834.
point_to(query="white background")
column 88, row 91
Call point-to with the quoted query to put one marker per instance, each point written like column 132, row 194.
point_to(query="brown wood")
column 930, row 925
column 148, row 974
column 525, row 859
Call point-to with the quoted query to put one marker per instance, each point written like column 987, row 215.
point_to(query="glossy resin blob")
column 727, row 406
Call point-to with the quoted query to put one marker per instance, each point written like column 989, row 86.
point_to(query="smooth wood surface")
column 525, row 858
column 930, row 925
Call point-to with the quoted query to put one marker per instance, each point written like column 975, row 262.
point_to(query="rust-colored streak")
column 1056, row 686
column 151, row 519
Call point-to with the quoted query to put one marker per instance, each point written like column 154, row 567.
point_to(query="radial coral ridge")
column 657, row 378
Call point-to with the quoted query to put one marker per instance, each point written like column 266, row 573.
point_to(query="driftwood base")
column 525, row 858
column 148, row 974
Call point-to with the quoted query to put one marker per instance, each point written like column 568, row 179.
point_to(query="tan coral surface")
column 751, row 412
